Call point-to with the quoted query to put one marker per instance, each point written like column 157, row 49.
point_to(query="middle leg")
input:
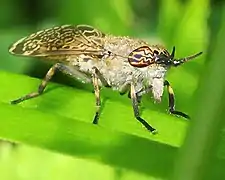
column 136, row 111
column 95, row 80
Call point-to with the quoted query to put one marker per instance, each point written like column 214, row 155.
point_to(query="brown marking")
column 76, row 39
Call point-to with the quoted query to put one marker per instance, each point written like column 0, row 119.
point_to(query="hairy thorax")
column 117, row 71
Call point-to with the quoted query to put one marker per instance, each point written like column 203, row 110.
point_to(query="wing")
column 59, row 41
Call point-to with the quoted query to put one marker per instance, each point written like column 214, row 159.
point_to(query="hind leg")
column 57, row 67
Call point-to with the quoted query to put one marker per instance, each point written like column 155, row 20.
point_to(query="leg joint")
column 166, row 83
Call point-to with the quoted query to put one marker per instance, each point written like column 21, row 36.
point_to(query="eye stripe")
column 141, row 57
column 138, row 56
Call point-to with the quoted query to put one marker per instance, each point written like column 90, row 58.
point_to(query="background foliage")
column 54, row 135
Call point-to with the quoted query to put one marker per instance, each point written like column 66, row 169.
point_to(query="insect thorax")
column 117, row 71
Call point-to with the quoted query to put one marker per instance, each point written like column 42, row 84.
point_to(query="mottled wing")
column 61, row 40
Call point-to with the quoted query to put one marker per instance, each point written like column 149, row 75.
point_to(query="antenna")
column 180, row 61
column 173, row 53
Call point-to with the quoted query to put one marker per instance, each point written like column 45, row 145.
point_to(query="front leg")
column 172, row 101
column 136, row 110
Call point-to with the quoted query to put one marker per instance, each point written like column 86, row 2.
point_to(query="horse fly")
column 125, row 64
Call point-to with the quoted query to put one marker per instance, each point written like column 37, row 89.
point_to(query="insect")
column 125, row 64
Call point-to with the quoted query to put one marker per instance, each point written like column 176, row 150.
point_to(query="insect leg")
column 41, row 87
column 139, row 97
column 136, row 110
column 144, row 91
column 172, row 101
column 65, row 69
column 75, row 73
column 100, row 76
column 140, row 93
column 97, row 97
column 125, row 88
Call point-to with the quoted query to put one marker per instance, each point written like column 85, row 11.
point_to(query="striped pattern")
column 60, row 41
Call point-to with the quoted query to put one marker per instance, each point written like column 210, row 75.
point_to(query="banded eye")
column 141, row 57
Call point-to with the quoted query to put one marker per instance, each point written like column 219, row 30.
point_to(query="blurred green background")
column 190, row 25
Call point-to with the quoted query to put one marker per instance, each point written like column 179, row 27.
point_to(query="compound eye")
column 141, row 57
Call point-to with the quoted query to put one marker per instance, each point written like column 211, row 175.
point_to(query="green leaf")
column 202, row 156
column 61, row 120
